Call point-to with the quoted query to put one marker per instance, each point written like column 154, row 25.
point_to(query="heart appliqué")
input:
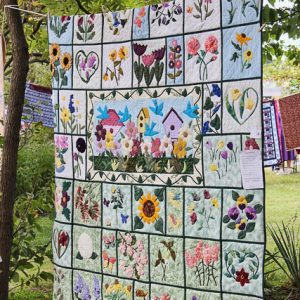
column 245, row 103
column 61, row 242
column 86, row 64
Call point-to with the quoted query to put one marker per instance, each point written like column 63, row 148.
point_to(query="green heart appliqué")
column 241, row 103
column 61, row 242
column 86, row 64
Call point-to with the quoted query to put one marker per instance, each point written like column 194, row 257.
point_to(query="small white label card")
column 251, row 169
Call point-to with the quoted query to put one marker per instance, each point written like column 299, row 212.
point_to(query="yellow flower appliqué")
column 249, row 104
column 149, row 208
column 179, row 148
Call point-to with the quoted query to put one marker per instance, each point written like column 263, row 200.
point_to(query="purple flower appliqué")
column 91, row 61
column 230, row 145
column 250, row 213
column 97, row 290
column 208, row 145
column 224, row 154
column 79, row 284
column 233, row 213
column 85, row 294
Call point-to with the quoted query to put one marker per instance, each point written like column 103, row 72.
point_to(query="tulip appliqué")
column 149, row 65
column 222, row 157
column 86, row 28
column 59, row 25
column 241, row 104
column 241, row 217
column 86, row 64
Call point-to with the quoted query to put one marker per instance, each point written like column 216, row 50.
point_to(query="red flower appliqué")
column 63, row 239
column 242, row 277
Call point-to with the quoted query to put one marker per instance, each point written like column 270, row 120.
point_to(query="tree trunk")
column 11, row 140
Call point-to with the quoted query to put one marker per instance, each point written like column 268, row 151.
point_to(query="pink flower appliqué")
column 148, row 60
column 155, row 147
column 193, row 45
column 131, row 130
column 211, row 44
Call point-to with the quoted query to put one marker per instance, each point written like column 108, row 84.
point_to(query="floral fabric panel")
column 153, row 107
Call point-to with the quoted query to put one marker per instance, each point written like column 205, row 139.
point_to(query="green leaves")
column 67, row 213
column 159, row 225
column 216, row 122
column 208, row 105
column 236, row 46
column 138, row 224
column 258, row 208
column 250, row 227
column 235, row 195
column 249, row 198
column 231, row 225
column 66, row 186
column 138, row 193
column 226, row 219
column 159, row 193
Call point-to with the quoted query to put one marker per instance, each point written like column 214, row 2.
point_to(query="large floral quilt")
column 153, row 107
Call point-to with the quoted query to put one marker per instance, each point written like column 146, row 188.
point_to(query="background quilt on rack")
column 272, row 154
column 155, row 106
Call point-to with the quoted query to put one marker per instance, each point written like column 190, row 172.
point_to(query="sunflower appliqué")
column 149, row 209
column 243, row 54
column 60, row 64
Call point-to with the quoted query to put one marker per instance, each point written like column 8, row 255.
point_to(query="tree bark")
column 11, row 140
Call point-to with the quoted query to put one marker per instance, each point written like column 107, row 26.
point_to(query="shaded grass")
column 282, row 204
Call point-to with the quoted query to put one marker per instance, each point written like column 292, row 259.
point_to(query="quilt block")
column 153, row 107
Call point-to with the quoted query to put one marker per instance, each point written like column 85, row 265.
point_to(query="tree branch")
column 39, row 60
column 37, row 28
column 80, row 6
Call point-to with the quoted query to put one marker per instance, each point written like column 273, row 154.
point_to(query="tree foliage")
column 34, row 193
column 280, row 22
column 285, row 74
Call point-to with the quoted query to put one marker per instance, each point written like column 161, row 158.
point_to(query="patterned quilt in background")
column 272, row 154
column 152, row 108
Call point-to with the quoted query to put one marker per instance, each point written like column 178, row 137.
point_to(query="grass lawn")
column 282, row 204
